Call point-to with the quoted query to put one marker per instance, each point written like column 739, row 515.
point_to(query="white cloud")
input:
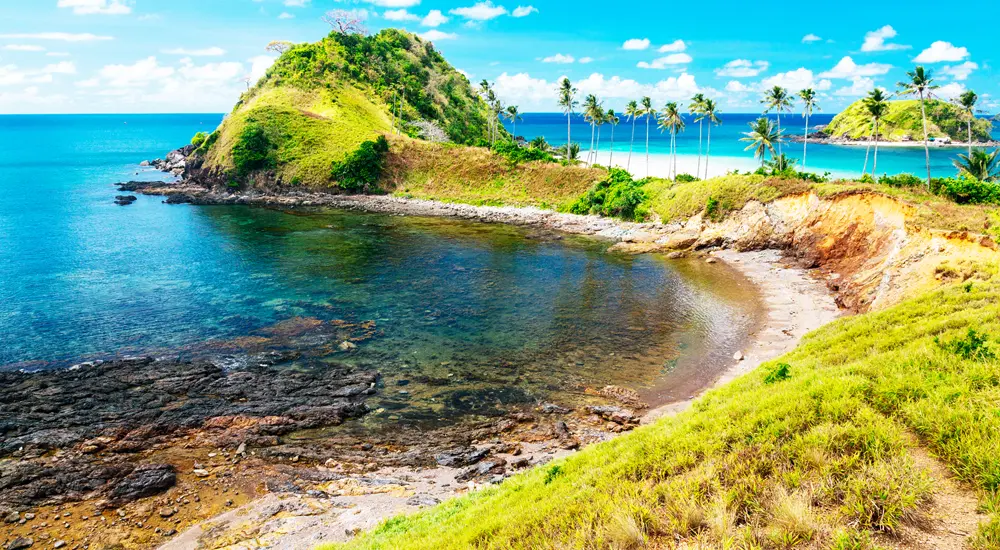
column 524, row 89
column 140, row 73
column 950, row 91
column 875, row 41
column 481, row 11
column 743, row 68
column 57, row 54
column 859, row 86
column 739, row 87
column 90, row 7
column 810, row 38
column 960, row 72
column 394, row 3
column 799, row 79
column 523, row 11
column 636, row 44
column 205, row 52
column 296, row 3
column 559, row 58
column 11, row 75
column 23, row 48
column 61, row 36
column 435, row 35
column 675, row 46
column 89, row 83
column 846, row 68
column 941, row 51
column 29, row 100
column 259, row 66
column 666, row 61
column 399, row 15
column 286, row 15
column 586, row 59
column 434, row 18
column 537, row 93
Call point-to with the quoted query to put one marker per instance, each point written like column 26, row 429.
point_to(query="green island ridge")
column 903, row 122
column 821, row 448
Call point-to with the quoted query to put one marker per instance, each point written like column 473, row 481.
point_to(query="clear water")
column 466, row 313
column 728, row 152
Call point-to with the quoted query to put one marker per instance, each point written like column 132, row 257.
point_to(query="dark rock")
column 140, row 185
column 20, row 543
column 519, row 463
column 617, row 415
column 457, row 458
column 552, row 408
column 179, row 198
column 423, row 500
column 125, row 200
column 488, row 468
column 146, row 480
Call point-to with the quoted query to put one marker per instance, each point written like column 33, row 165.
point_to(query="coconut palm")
column 671, row 119
column 808, row 97
column 632, row 111
column 612, row 119
column 776, row 99
column 877, row 105
column 567, row 100
column 762, row 137
column 709, row 113
column 980, row 165
column 920, row 84
column 602, row 117
column 513, row 114
column 647, row 111
column 591, row 113
column 967, row 101
column 697, row 103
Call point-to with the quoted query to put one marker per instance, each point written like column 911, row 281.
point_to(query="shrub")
column 362, row 168
column 901, row 180
column 686, row 178
column 777, row 373
column 199, row 139
column 866, row 178
column 973, row 346
column 965, row 190
column 252, row 150
column 711, row 207
column 617, row 195
column 517, row 154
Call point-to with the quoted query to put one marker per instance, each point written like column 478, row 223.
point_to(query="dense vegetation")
column 903, row 120
column 617, row 195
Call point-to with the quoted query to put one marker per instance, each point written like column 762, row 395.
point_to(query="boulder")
column 146, row 480
column 458, row 458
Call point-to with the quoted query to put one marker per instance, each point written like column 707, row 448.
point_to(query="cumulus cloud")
column 666, row 61
column 434, row 18
column 296, row 3
column 60, row 36
column 206, row 52
column 950, row 91
column 559, row 58
column 799, row 79
column 636, row 44
column 399, row 15
column 538, row 93
column 90, row 7
column 875, row 41
column 139, row 73
column 960, row 72
column 675, row 46
column 736, row 86
column 586, row 59
column 435, row 35
column 286, row 15
column 524, row 11
column 259, row 66
column 481, row 11
column 810, row 38
column 743, row 68
column 942, row 51
column 12, row 75
column 859, row 86
column 846, row 68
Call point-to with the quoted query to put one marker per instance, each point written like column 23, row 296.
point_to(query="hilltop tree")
column 611, row 118
column 920, row 84
column 647, row 111
column 709, row 113
column 877, row 106
column 278, row 46
column 776, row 99
column 591, row 113
column 808, row 97
column 513, row 114
column 567, row 100
column 967, row 102
column 632, row 111
column 697, row 103
column 762, row 137
column 672, row 120
column 346, row 21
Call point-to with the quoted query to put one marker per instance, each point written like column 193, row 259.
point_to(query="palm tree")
column 979, row 164
column 967, row 102
column 672, row 120
column 808, row 97
column 697, row 102
column 762, row 137
column 513, row 114
column 709, row 113
column 920, row 84
column 633, row 112
column 776, row 99
column 567, row 100
column 613, row 120
column 878, row 106
column 602, row 117
column 591, row 112
column 647, row 111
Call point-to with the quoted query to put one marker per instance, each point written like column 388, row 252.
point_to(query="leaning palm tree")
column 877, row 105
column 920, row 84
column 513, row 114
column 762, row 137
column 612, row 119
column 697, row 103
column 776, row 99
column 567, row 100
column 591, row 112
column 602, row 117
column 647, row 111
column 671, row 119
column 633, row 112
column 980, row 165
column 709, row 113
column 808, row 97
column 967, row 101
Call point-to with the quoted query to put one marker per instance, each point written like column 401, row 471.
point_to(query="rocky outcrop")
column 176, row 162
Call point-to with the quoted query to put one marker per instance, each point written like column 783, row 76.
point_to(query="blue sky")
column 110, row 56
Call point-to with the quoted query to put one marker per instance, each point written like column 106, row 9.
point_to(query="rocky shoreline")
column 820, row 138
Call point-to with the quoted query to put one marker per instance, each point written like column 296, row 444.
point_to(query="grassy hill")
column 319, row 102
column 943, row 120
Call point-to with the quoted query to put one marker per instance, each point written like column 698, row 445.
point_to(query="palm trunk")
column 805, row 144
column 700, row 123
column 779, row 133
column 708, row 149
column 597, row 151
column 569, row 141
column 590, row 153
column 628, row 165
column 513, row 136
column 647, row 145
column 927, row 148
column 970, row 136
column 611, row 159
column 875, row 162
column 868, row 151
column 675, row 154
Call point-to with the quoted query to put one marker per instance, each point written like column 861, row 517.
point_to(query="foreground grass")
column 809, row 451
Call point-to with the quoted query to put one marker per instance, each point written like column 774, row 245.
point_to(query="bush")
column 973, row 346
column 781, row 371
column 252, row 150
column 965, row 190
column 362, row 168
column 617, row 195
column 686, row 178
column 199, row 139
column 517, row 154
column 901, row 180
column 711, row 208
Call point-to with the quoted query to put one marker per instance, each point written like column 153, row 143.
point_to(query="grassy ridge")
column 904, row 119
column 811, row 449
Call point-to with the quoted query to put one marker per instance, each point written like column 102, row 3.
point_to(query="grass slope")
column 809, row 451
column 943, row 120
